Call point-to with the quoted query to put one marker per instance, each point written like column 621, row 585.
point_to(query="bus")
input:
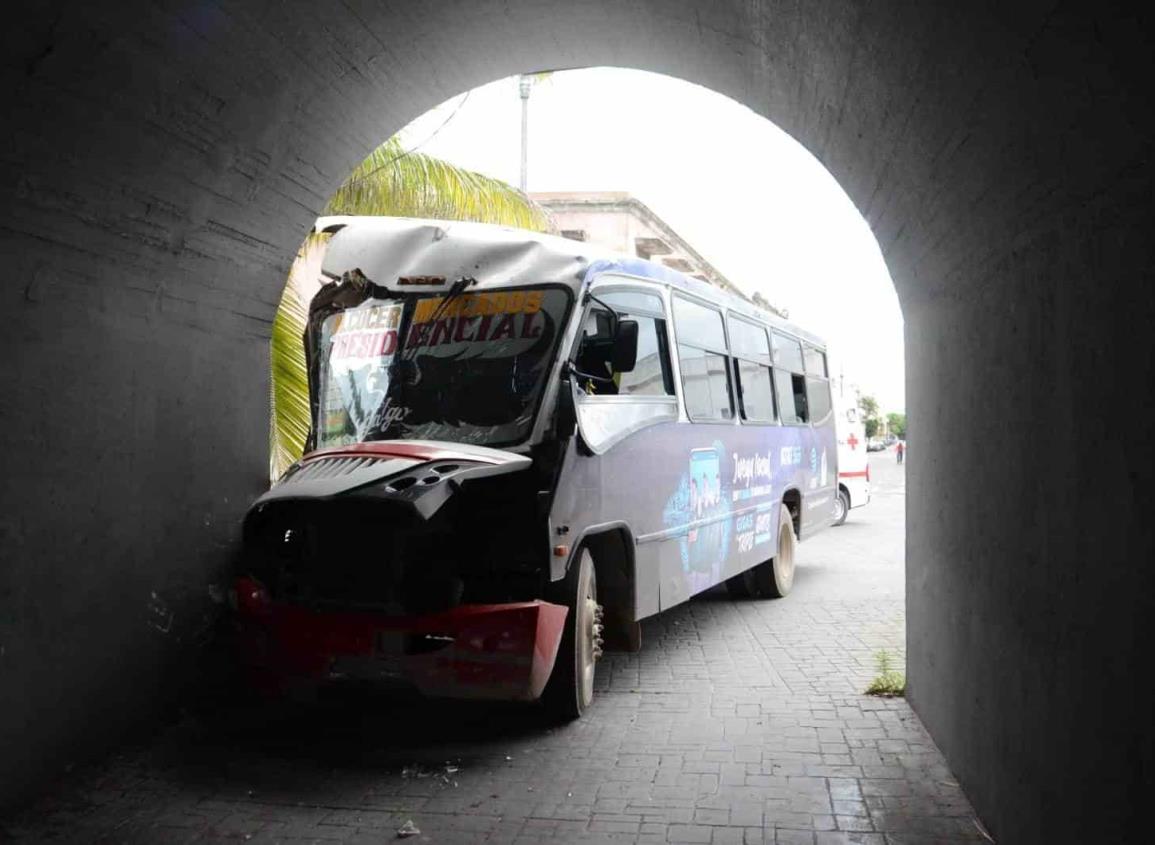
column 519, row 449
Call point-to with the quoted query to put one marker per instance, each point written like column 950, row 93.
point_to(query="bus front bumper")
column 495, row 651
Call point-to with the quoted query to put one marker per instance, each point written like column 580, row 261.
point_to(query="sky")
column 742, row 192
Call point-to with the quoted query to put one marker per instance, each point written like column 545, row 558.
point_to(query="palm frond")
column 392, row 183
column 290, row 381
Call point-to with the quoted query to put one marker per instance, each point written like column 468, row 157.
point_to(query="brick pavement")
column 739, row 722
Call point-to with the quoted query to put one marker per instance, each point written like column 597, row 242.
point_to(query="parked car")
column 875, row 444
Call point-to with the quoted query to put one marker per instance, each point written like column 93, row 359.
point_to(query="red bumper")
column 492, row 651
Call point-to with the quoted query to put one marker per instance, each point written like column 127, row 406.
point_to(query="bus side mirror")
column 625, row 352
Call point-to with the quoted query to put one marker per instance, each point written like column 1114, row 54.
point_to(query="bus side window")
column 789, row 381
column 756, row 390
column 616, row 405
column 702, row 358
column 815, row 362
column 785, row 397
column 705, row 384
column 751, row 350
column 801, row 403
column 787, row 353
column 818, row 402
column 652, row 374
column 791, row 390
column 818, row 399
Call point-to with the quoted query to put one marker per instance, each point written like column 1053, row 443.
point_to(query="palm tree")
column 390, row 182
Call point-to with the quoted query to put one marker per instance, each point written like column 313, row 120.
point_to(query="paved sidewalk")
column 739, row 722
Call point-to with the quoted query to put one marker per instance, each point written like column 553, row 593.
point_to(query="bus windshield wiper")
column 455, row 290
column 403, row 364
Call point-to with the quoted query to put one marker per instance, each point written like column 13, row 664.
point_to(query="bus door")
column 627, row 419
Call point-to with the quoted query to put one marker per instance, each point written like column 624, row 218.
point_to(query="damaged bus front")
column 410, row 543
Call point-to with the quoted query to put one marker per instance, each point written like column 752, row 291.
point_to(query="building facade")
column 625, row 224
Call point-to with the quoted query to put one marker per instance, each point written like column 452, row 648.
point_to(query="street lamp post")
column 525, row 83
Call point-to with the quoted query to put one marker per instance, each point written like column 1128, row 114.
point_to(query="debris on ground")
column 441, row 773
column 408, row 829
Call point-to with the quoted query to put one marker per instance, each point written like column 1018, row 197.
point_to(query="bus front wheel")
column 775, row 577
column 571, row 685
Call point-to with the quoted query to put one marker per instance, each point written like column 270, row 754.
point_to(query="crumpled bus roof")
column 386, row 249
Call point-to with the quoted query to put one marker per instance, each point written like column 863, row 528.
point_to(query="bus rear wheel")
column 742, row 585
column 841, row 507
column 775, row 577
column 571, row 685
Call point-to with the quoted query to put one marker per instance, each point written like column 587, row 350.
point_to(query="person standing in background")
column 900, row 449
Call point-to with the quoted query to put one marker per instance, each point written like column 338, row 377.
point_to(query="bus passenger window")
column 705, row 384
column 818, row 399
column 756, row 391
column 699, row 325
column 789, row 381
column 801, row 404
column 751, row 350
column 815, row 362
column 791, row 390
column 788, row 353
column 702, row 357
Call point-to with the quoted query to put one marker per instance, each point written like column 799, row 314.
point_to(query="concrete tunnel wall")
column 161, row 162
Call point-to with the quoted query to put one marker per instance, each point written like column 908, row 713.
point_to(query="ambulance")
column 853, row 468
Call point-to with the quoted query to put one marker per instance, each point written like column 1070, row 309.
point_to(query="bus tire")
column 841, row 507
column 570, row 688
column 775, row 577
column 742, row 585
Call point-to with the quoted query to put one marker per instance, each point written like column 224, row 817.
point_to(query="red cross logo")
column 852, row 441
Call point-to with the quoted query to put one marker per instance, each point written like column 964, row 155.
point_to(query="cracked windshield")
column 468, row 369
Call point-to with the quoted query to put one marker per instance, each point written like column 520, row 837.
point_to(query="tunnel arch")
column 164, row 161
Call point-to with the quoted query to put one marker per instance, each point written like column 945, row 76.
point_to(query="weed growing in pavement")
column 888, row 683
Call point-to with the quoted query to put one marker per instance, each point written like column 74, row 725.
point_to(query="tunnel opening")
column 575, row 216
